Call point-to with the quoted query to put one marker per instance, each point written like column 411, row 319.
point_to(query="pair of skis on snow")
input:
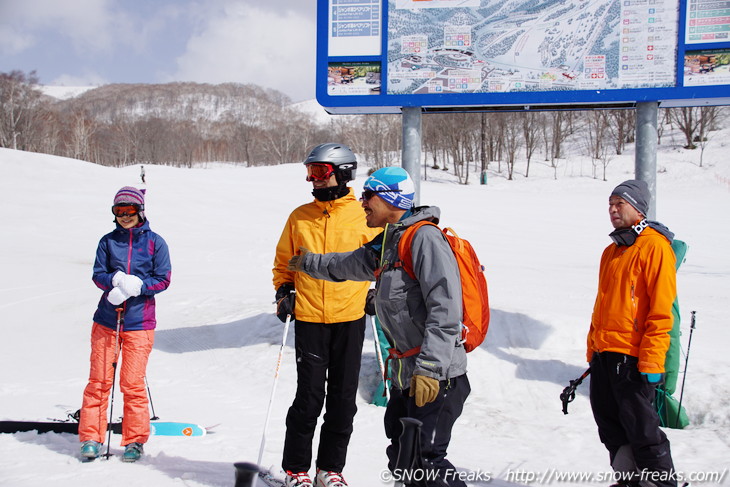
column 157, row 428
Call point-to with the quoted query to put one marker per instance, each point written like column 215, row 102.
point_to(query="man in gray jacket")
column 421, row 317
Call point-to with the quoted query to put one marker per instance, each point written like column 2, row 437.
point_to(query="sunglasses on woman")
column 126, row 209
column 319, row 171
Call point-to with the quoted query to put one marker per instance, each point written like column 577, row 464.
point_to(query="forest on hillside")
column 183, row 124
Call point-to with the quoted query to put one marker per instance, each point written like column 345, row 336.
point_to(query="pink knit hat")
column 133, row 196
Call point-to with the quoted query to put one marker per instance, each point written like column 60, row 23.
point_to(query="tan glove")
column 296, row 263
column 424, row 388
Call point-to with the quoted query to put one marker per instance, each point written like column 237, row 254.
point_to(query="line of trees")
column 183, row 124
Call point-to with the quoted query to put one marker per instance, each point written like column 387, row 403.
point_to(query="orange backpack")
column 474, row 295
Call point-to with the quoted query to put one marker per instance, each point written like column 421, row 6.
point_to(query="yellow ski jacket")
column 322, row 227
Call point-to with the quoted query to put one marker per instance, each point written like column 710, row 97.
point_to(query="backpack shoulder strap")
column 405, row 254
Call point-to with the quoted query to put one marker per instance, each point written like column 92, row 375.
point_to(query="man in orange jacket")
column 330, row 319
column 629, row 337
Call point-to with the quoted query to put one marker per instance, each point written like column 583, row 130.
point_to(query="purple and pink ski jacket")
column 138, row 251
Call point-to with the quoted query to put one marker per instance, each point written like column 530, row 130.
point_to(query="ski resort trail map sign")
column 375, row 56
column 507, row 46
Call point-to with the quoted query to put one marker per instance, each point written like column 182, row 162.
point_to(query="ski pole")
column 686, row 361
column 149, row 394
column 568, row 393
column 379, row 354
column 114, row 380
column 409, row 452
column 273, row 388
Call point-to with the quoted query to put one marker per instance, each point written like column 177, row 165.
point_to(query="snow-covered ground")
column 64, row 92
column 217, row 341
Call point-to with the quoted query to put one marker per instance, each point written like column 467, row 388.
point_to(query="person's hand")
column 370, row 303
column 654, row 378
column 285, row 300
column 131, row 285
column 296, row 263
column 425, row 389
column 117, row 278
column 117, row 296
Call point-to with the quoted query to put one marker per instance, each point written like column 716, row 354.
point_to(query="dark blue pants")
column 622, row 403
column 328, row 369
column 438, row 418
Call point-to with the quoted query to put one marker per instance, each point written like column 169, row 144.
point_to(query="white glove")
column 117, row 278
column 131, row 285
column 117, row 296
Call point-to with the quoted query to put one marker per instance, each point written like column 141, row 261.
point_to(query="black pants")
column 622, row 403
column 328, row 366
column 438, row 417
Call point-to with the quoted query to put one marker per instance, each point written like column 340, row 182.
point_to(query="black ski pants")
column 328, row 368
column 438, row 418
column 622, row 403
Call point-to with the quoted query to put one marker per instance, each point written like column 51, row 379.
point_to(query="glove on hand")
column 424, row 388
column 131, row 285
column 285, row 300
column 117, row 296
column 296, row 263
column 118, row 278
column 370, row 303
column 654, row 378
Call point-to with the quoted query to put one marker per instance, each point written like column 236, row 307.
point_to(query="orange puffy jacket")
column 322, row 227
column 633, row 310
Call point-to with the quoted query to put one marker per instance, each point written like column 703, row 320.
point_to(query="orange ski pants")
column 135, row 348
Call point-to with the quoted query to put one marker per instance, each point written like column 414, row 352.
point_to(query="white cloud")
column 13, row 42
column 245, row 44
column 91, row 25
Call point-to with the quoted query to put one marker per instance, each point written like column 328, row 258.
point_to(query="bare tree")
column 708, row 119
column 687, row 121
column 513, row 133
column 81, row 128
column 19, row 103
column 598, row 128
column 622, row 125
column 531, row 123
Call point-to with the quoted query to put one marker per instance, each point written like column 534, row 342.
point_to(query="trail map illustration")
column 486, row 46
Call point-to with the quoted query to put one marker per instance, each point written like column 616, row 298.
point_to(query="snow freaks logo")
column 409, row 476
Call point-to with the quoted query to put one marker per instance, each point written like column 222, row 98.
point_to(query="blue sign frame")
column 353, row 75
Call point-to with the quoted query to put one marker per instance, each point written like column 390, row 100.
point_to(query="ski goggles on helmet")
column 126, row 209
column 369, row 193
column 319, row 171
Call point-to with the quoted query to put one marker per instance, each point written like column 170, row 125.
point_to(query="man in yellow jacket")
column 330, row 319
column 629, row 337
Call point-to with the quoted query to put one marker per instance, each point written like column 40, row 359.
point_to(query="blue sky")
column 94, row 42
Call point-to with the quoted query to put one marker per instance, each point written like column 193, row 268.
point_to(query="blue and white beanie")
column 396, row 179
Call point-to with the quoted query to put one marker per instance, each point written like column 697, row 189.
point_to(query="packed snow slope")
column 217, row 341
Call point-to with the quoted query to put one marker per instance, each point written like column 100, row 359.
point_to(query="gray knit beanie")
column 636, row 192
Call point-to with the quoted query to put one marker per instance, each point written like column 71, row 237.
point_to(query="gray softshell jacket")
column 425, row 312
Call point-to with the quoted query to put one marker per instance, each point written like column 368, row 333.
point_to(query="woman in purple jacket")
column 132, row 265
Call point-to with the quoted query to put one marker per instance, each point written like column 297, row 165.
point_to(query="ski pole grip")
column 245, row 474
column 408, row 444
